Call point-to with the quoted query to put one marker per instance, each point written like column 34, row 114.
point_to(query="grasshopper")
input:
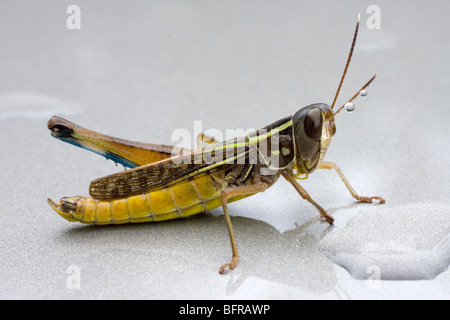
column 166, row 182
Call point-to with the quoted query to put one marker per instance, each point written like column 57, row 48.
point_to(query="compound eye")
column 313, row 124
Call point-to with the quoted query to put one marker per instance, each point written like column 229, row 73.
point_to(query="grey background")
column 141, row 69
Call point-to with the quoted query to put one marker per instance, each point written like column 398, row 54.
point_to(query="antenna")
column 356, row 95
column 348, row 62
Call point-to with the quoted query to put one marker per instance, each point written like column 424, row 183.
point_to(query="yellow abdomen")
column 180, row 200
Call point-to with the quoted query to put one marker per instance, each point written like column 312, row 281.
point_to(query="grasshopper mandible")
column 163, row 186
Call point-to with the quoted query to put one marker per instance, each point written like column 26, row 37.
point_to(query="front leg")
column 331, row 165
column 289, row 176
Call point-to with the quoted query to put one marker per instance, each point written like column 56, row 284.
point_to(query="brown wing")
column 143, row 178
column 161, row 174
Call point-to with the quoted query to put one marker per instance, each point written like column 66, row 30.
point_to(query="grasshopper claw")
column 370, row 199
column 328, row 218
column 230, row 265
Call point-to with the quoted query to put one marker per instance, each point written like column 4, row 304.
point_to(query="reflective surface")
column 140, row 72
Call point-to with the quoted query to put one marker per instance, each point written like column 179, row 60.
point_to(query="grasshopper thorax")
column 313, row 128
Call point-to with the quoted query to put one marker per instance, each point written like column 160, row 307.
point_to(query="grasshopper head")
column 313, row 129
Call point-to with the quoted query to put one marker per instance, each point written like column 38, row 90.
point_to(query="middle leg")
column 228, row 194
column 201, row 137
